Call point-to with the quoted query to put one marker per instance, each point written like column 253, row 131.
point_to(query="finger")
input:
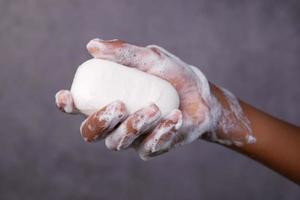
column 163, row 137
column 99, row 124
column 64, row 102
column 135, row 125
column 123, row 53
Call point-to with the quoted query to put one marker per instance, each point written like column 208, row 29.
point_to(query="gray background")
column 249, row 47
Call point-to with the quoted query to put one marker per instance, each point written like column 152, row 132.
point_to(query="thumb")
column 124, row 53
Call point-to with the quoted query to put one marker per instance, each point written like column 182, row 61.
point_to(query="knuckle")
column 109, row 145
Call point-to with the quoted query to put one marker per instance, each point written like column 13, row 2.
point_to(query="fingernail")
column 57, row 101
column 92, row 47
column 162, row 139
column 97, row 40
column 176, row 117
column 112, row 40
column 64, row 101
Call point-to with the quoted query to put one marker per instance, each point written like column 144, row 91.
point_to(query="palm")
column 182, row 77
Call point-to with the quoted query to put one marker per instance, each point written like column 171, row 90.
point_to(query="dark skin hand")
column 277, row 143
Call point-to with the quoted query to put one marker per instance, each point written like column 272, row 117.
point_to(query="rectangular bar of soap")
column 98, row 82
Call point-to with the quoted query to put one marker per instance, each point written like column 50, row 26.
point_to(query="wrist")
column 232, row 126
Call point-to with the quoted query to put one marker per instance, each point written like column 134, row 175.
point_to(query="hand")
column 200, row 110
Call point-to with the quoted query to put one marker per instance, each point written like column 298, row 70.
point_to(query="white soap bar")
column 98, row 82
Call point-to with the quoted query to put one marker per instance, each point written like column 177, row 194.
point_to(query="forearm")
column 277, row 142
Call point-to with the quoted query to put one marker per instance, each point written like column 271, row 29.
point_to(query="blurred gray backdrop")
column 250, row 47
